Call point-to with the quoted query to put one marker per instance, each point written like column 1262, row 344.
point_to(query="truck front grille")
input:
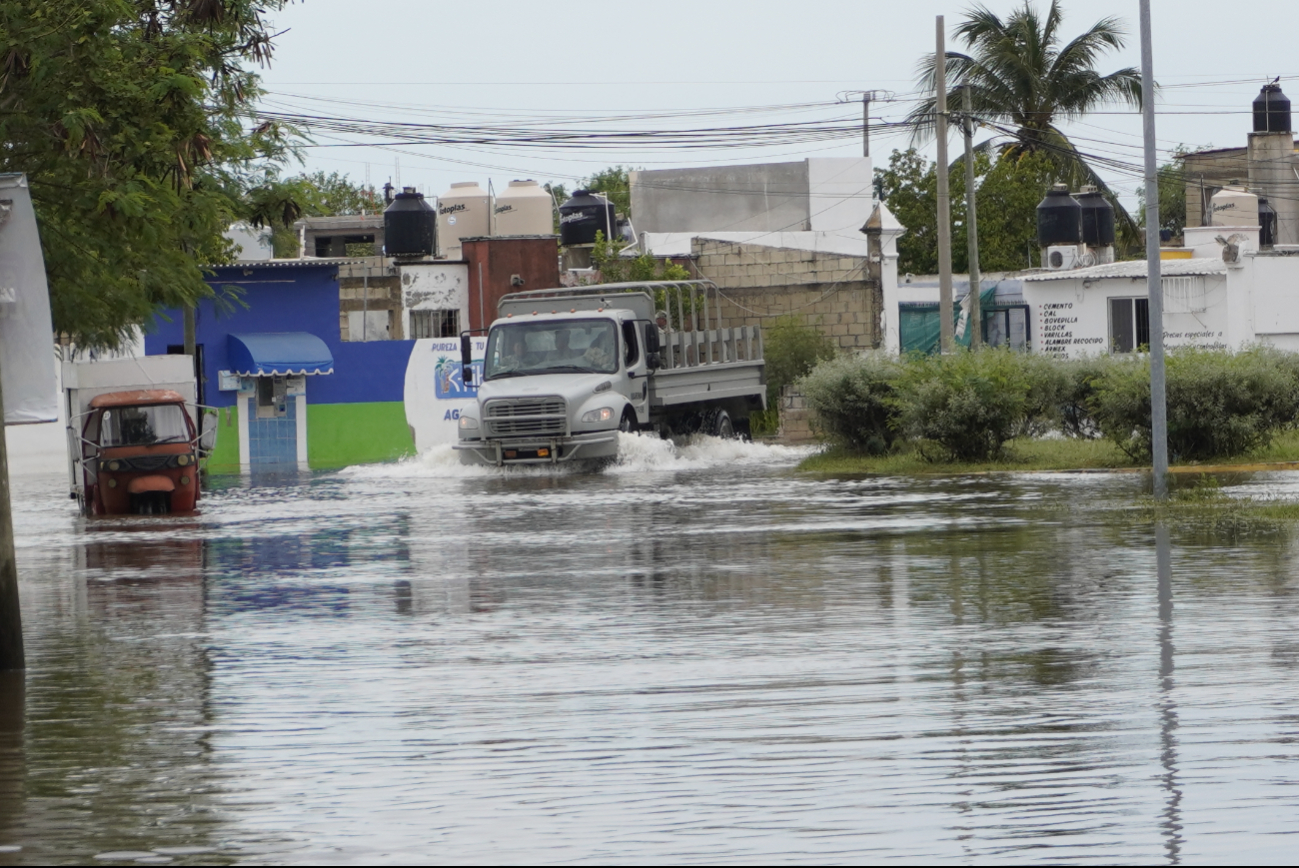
column 525, row 417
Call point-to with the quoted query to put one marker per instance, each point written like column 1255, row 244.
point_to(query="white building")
column 1215, row 297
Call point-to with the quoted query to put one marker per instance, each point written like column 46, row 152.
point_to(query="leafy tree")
column 1021, row 74
column 1008, row 192
column 1171, row 181
column 614, row 268
column 614, row 182
column 318, row 194
column 130, row 118
column 558, row 195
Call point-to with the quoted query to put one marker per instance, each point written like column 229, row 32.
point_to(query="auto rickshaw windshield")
column 144, row 426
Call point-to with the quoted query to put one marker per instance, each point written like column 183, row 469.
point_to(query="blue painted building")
column 290, row 390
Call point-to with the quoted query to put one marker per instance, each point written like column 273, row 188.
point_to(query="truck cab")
column 565, row 371
column 558, row 386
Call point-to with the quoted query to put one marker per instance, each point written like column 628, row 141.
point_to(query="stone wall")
column 760, row 283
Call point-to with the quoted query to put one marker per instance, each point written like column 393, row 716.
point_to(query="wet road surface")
column 697, row 656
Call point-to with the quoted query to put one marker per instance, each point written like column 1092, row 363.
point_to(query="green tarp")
column 918, row 324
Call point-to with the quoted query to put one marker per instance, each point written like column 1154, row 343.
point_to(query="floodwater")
column 695, row 656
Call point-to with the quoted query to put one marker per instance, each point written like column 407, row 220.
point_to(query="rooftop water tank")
column 1233, row 206
column 1266, row 224
column 464, row 211
column 524, row 208
column 1271, row 110
column 1097, row 218
column 1059, row 218
column 584, row 215
column 409, row 225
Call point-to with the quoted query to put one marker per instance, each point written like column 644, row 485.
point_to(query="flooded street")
column 692, row 656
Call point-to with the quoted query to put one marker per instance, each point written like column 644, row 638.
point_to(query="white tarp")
column 26, row 335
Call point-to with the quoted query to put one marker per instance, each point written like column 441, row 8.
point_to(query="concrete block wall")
column 760, row 283
column 795, row 419
column 382, row 293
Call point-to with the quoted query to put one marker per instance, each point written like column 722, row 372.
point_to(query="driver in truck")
column 516, row 357
column 561, row 352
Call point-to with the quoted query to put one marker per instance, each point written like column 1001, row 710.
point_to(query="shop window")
column 1006, row 327
column 434, row 324
column 1129, row 324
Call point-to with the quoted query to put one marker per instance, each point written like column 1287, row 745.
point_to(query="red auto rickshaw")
column 140, row 454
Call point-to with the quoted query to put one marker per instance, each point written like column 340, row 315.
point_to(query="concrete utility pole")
column 1154, row 283
column 971, row 223
column 11, row 622
column 866, row 123
column 946, row 326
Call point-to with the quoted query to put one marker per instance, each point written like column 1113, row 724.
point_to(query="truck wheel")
column 722, row 426
column 628, row 424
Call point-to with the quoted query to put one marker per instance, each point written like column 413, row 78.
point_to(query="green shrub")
column 970, row 402
column 1219, row 403
column 1078, row 394
column 792, row 347
column 851, row 399
column 1050, row 385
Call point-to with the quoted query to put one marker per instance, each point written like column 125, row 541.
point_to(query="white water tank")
column 524, row 208
column 1233, row 206
column 464, row 211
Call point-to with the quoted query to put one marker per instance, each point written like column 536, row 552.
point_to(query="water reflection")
column 1172, row 825
column 725, row 664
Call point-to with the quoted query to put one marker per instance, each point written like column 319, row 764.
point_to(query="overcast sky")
column 415, row 60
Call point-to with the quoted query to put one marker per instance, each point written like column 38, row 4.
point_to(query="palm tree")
column 1024, row 82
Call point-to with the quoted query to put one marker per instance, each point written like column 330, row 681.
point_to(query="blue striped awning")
column 271, row 354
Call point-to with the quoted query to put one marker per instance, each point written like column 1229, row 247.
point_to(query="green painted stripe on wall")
column 225, row 457
column 343, row 434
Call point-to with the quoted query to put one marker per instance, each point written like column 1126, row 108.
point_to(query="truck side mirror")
column 651, row 338
column 207, row 439
column 466, row 360
column 653, row 361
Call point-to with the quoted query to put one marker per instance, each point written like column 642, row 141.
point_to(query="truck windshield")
column 143, row 426
column 571, row 346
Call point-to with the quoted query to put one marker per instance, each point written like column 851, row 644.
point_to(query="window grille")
column 1183, row 294
column 434, row 324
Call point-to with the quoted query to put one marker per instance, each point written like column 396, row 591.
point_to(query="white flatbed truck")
column 567, row 369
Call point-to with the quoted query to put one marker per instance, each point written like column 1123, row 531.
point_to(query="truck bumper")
column 554, row 450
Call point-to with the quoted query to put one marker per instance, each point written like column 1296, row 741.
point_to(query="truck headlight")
column 604, row 414
column 468, row 423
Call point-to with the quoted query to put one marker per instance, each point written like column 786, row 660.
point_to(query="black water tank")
column 409, row 225
column 1097, row 218
column 584, row 215
column 1271, row 110
column 1059, row 218
column 1266, row 224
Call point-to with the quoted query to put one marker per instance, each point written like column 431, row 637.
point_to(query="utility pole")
column 11, row 622
column 1154, row 283
column 946, row 325
column 865, row 123
column 971, row 223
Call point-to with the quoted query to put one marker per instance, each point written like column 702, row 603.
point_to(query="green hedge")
column 967, row 406
column 851, row 398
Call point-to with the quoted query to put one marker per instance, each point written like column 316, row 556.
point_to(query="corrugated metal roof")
column 1134, row 270
column 283, row 263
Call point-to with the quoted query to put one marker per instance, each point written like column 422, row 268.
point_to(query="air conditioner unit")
column 1061, row 258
